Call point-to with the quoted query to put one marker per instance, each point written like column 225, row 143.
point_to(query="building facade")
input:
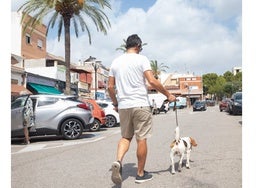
column 29, row 44
column 184, row 85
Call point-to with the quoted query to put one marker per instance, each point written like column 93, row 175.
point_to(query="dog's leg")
column 188, row 159
column 172, row 163
column 180, row 161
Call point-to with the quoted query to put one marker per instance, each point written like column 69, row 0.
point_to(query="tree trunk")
column 67, row 55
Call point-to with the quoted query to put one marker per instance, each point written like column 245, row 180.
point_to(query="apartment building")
column 184, row 85
column 40, row 68
column 30, row 44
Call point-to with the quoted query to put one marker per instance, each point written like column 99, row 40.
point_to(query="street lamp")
column 95, row 65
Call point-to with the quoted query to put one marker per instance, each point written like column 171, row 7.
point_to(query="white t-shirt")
column 128, row 70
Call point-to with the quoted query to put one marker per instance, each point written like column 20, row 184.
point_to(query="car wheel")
column 110, row 121
column 71, row 129
column 95, row 126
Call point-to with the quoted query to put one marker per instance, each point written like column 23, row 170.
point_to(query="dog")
column 180, row 147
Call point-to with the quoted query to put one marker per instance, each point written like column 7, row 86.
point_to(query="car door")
column 17, row 108
column 47, row 110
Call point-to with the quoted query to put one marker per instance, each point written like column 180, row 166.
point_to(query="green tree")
column 229, row 77
column 233, row 83
column 63, row 12
column 209, row 82
column 238, row 81
column 222, row 86
column 158, row 68
column 219, row 87
column 123, row 46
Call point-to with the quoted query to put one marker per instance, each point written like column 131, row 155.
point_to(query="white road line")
column 31, row 147
column 37, row 147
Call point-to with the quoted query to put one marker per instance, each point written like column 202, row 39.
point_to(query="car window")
column 42, row 101
column 103, row 105
column 238, row 97
column 74, row 98
column 19, row 102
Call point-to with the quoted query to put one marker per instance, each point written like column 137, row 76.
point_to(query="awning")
column 19, row 90
column 42, row 89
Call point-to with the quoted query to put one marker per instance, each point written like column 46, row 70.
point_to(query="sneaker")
column 117, row 172
column 146, row 177
column 26, row 142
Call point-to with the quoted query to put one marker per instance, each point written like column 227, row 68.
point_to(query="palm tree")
column 157, row 69
column 123, row 46
column 63, row 12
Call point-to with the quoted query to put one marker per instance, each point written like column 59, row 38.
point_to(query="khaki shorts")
column 136, row 121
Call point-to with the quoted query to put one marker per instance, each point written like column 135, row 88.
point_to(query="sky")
column 188, row 36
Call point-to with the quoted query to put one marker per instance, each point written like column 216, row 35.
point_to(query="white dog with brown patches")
column 180, row 147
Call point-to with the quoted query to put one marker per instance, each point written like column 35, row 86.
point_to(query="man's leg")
column 122, row 148
column 142, row 175
column 26, row 134
column 141, row 155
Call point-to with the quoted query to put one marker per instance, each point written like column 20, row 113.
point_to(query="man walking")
column 128, row 91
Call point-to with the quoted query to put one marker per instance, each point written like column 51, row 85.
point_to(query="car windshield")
column 238, row 97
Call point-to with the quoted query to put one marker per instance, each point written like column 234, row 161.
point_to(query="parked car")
column 112, row 116
column 98, row 114
column 223, row 106
column 210, row 102
column 199, row 106
column 63, row 115
column 235, row 104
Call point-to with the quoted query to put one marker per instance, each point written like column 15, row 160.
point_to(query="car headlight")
column 237, row 104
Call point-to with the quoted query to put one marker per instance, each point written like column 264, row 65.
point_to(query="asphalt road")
column 50, row 162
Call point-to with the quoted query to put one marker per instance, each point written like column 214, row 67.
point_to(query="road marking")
column 37, row 147
column 31, row 147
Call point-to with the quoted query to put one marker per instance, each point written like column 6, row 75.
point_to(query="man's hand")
column 171, row 98
column 116, row 108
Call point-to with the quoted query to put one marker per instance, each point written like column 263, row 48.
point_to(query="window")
column 39, row 43
column 47, row 101
column 19, row 102
column 28, row 39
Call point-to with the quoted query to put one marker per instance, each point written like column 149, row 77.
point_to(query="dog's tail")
column 193, row 142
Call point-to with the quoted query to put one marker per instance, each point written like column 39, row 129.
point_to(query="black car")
column 199, row 106
column 235, row 104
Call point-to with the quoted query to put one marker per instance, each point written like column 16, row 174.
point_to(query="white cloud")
column 186, row 35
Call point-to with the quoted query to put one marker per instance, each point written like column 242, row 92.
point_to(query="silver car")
column 53, row 115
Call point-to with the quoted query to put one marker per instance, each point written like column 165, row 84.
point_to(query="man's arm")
column 111, row 90
column 158, row 86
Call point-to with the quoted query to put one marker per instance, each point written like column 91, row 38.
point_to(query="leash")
column 176, row 113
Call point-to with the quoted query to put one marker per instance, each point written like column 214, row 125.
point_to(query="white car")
column 112, row 116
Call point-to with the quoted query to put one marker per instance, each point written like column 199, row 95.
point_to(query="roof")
column 17, row 90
